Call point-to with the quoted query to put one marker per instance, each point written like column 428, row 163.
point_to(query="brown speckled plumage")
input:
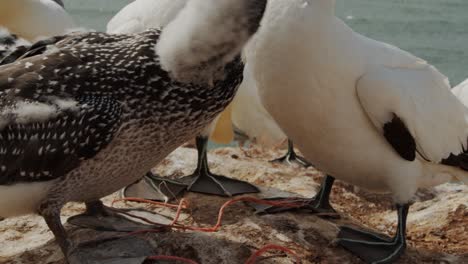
column 129, row 113
column 86, row 114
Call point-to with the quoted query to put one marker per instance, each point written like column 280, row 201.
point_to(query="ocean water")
column 435, row 30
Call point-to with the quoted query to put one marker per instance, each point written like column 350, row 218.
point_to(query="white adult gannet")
column 364, row 111
column 142, row 15
column 35, row 19
column 252, row 119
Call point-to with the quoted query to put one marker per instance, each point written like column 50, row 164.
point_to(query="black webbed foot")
column 375, row 248
column 155, row 188
column 319, row 204
column 292, row 157
column 203, row 181
column 209, row 183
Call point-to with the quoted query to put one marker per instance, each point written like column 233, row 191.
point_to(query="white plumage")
column 189, row 32
column 461, row 92
column 22, row 198
column 421, row 97
column 342, row 87
column 361, row 110
column 35, row 19
column 249, row 115
column 140, row 15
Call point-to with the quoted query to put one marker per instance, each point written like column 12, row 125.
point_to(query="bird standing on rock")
column 142, row 15
column 361, row 110
column 246, row 113
column 94, row 112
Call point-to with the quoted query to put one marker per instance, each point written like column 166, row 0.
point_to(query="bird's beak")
column 223, row 132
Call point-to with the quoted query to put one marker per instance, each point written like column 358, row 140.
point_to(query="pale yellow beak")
column 223, row 132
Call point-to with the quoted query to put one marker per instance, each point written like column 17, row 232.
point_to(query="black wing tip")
column 398, row 135
column 458, row 160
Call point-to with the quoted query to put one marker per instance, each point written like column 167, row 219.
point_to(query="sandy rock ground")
column 437, row 223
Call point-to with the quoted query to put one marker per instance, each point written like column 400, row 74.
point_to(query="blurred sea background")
column 435, row 30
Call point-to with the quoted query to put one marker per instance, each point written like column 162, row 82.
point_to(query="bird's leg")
column 51, row 213
column 97, row 208
column 320, row 203
column 203, row 181
column 291, row 156
column 374, row 248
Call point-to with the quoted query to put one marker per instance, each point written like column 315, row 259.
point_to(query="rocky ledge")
column 437, row 223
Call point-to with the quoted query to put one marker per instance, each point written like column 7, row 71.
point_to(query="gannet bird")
column 142, row 15
column 32, row 19
column 386, row 120
column 250, row 117
column 94, row 112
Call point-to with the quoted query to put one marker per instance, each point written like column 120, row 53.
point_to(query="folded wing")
column 415, row 110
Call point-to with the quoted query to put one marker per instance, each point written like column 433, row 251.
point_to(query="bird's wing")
column 44, row 139
column 415, row 110
column 47, row 126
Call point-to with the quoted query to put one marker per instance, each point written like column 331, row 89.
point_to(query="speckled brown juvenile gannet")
column 94, row 112
column 137, row 17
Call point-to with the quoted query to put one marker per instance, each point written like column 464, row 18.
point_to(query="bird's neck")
column 326, row 7
column 205, row 36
